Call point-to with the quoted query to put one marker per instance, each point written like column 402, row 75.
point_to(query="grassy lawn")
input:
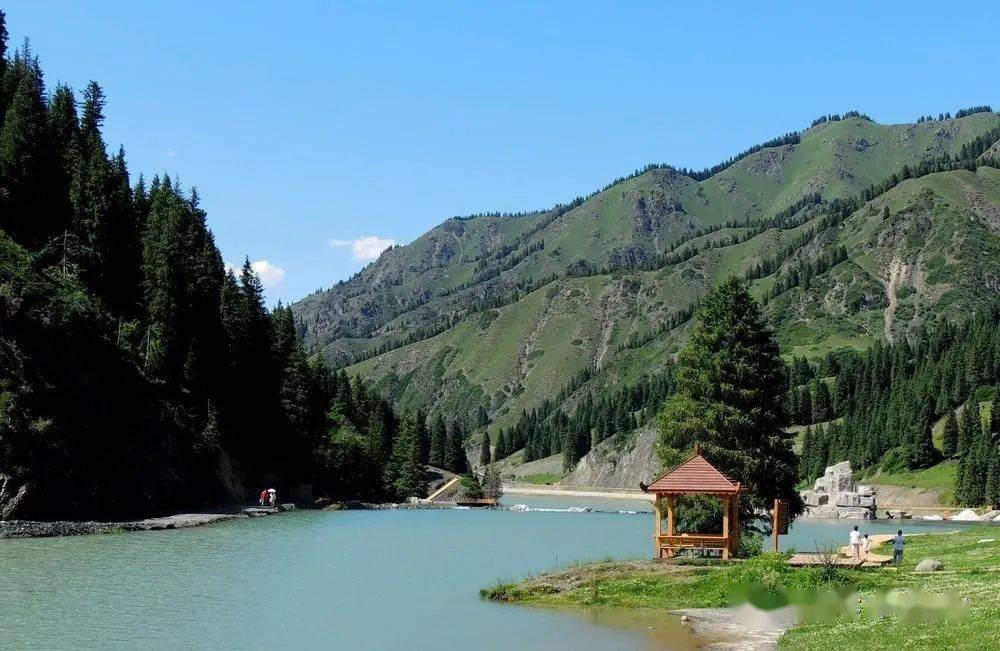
column 970, row 570
column 940, row 477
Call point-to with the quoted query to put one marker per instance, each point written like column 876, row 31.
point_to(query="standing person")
column 866, row 546
column 856, row 542
column 263, row 497
column 897, row 548
column 272, row 497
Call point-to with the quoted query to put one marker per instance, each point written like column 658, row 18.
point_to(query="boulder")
column 989, row 516
column 856, row 514
column 839, row 478
column 867, row 501
column 933, row 518
column 866, row 491
column 929, row 565
column 968, row 515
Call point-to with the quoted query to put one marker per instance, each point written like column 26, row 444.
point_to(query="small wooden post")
column 776, row 520
column 726, row 507
column 658, row 514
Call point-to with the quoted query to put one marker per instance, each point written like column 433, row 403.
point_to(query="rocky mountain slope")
column 500, row 312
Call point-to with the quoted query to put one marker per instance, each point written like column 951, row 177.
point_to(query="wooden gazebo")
column 695, row 476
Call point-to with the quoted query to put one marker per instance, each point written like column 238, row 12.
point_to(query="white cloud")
column 271, row 275
column 366, row 247
column 171, row 152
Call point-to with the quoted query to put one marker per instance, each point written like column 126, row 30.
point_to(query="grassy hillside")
column 503, row 311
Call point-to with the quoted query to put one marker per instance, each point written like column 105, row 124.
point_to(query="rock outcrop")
column 835, row 495
column 618, row 462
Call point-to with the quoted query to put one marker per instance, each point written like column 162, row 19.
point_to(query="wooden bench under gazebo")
column 696, row 476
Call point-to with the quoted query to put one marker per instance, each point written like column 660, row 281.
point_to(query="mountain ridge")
column 567, row 291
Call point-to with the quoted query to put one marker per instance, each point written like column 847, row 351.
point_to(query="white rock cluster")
column 835, row 495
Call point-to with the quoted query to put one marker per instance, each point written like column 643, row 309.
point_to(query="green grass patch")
column 970, row 571
column 938, row 477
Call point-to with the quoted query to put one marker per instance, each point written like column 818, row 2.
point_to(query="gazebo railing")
column 692, row 541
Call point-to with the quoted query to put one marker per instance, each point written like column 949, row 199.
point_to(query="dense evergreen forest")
column 887, row 402
column 137, row 375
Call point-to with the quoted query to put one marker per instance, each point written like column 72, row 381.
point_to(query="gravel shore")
column 36, row 529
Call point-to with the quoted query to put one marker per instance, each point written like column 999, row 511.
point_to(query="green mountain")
column 851, row 231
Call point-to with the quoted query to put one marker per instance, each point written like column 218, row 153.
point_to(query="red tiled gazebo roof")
column 696, row 475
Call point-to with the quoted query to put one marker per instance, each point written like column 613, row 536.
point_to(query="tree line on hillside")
column 890, row 399
column 836, row 117
column 961, row 113
column 137, row 374
column 548, row 429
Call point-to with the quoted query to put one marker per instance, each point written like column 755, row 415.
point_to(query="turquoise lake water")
column 405, row 579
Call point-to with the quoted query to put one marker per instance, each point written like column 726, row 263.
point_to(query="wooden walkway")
column 447, row 485
column 844, row 557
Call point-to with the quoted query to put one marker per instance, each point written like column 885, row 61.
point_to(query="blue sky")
column 307, row 126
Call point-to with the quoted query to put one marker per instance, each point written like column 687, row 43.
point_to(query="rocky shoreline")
column 50, row 529
column 42, row 529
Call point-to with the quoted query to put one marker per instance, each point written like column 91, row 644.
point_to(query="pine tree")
column 485, row 457
column 949, row 440
column 992, row 492
column 806, row 455
column 439, row 442
column 500, row 451
column 408, row 474
column 804, row 402
column 491, row 483
column 729, row 380
column 969, row 426
column 27, row 158
column 920, row 450
column 422, row 436
column 455, row 459
column 822, row 403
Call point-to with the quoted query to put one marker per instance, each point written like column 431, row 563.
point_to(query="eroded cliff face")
column 618, row 462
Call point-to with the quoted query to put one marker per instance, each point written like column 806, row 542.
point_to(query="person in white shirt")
column 866, row 546
column 856, row 542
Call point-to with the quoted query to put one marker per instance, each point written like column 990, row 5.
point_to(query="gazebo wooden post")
column 736, row 522
column 726, row 507
column 658, row 514
column 671, row 505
